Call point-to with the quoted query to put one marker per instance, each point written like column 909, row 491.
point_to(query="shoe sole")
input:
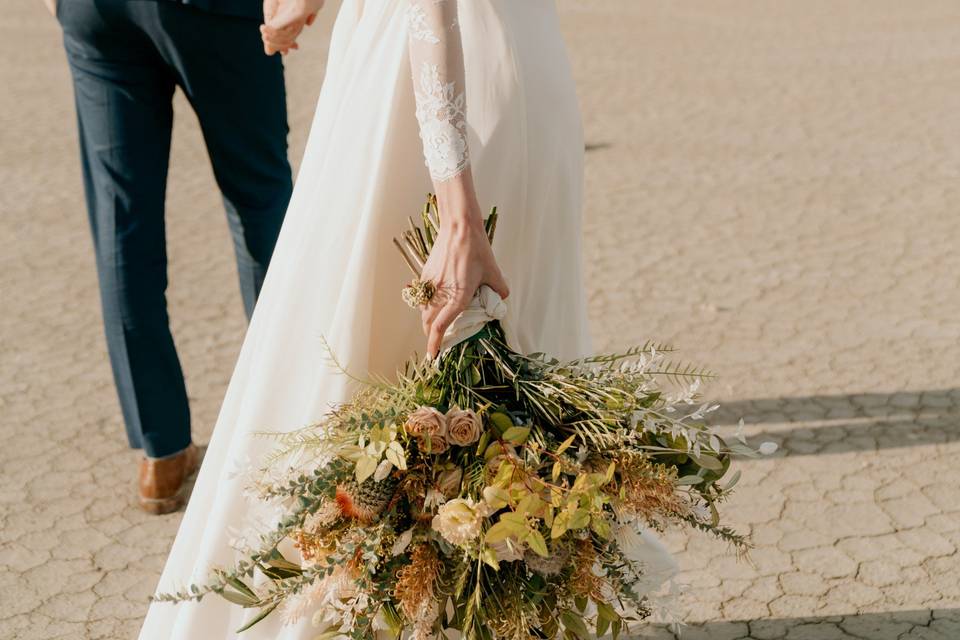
column 161, row 506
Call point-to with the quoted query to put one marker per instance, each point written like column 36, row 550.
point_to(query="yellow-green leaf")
column 496, row 497
column 610, row 471
column 579, row 519
column 366, row 466
column 537, row 543
column 559, row 526
column 482, row 445
column 566, row 444
column 499, row 531
column 600, row 526
column 489, row 556
column 516, row 435
column 501, row 421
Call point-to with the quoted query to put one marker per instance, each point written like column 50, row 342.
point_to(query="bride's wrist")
column 458, row 205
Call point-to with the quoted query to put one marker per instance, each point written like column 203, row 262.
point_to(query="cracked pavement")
column 772, row 187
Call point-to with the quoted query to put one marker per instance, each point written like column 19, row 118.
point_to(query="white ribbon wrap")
column 486, row 305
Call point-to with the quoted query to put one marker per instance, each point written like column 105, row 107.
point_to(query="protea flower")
column 366, row 501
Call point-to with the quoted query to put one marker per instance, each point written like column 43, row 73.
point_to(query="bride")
column 472, row 100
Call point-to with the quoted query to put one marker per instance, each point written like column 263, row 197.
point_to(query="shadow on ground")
column 936, row 624
column 826, row 424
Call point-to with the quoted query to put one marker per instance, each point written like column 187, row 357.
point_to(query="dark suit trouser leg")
column 123, row 97
column 239, row 97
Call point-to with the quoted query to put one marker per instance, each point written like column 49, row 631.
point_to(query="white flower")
column 459, row 520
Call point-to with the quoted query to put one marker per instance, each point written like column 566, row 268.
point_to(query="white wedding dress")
column 475, row 85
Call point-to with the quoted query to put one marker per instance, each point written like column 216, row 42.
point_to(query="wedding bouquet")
column 491, row 492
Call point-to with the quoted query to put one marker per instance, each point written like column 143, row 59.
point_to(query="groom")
column 126, row 60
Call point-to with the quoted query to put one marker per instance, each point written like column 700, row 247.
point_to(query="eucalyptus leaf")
column 239, row 598
column 260, row 616
column 708, row 462
column 574, row 623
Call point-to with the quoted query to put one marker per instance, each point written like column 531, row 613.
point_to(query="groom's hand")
column 283, row 22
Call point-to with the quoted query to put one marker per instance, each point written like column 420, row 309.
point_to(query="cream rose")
column 459, row 520
column 463, row 427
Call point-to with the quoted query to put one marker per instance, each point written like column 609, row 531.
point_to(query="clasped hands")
column 283, row 20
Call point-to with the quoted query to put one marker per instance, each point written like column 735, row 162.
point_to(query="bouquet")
column 490, row 492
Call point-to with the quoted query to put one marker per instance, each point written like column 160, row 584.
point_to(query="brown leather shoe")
column 162, row 480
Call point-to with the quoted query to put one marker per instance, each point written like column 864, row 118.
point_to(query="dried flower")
column 414, row 588
column 583, row 581
column 549, row 566
column 339, row 585
column 463, row 427
column 648, row 489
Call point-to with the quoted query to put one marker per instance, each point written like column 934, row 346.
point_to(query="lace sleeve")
column 436, row 60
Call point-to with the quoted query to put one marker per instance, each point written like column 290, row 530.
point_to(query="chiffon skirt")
column 335, row 278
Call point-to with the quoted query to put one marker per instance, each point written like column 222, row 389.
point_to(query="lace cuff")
column 436, row 59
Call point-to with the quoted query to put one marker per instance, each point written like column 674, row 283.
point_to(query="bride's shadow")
column 825, row 424
column 921, row 624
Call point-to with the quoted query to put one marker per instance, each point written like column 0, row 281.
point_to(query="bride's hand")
column 461, row 260
column 283, row 22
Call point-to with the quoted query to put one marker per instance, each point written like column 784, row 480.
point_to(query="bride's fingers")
column 455, row 304
column 427, row 315
column 442, row 295
column 439, row 326
column 499, row 284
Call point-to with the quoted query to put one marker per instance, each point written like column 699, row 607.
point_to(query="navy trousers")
column 126, row 58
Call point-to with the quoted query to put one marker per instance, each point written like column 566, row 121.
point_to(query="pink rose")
column 437, row 445
column 463, row 427
column 426, row 421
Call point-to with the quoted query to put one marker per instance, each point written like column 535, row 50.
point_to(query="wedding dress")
column 416, row 91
